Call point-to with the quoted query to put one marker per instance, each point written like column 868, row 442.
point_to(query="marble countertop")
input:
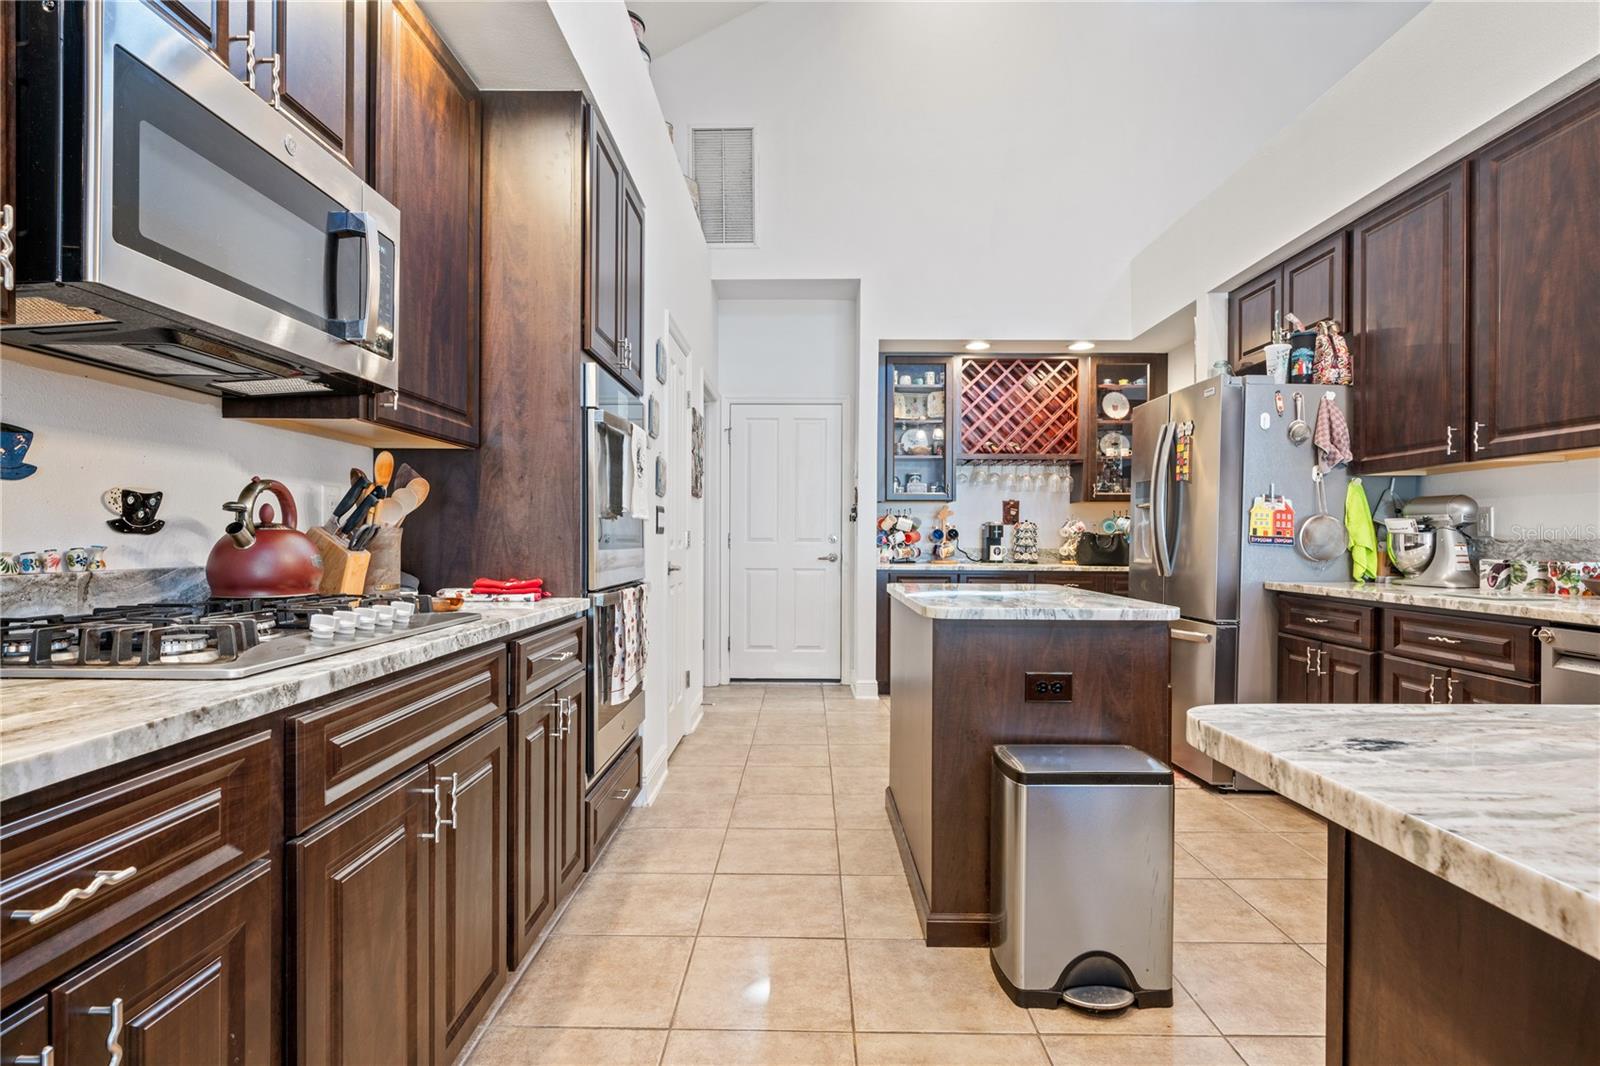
column 1568, row 610
column 966, row 566
column 54, row 729
column 1502, row 801
column 1003, row 602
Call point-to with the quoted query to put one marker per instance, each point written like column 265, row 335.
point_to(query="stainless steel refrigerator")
column 1192, row 544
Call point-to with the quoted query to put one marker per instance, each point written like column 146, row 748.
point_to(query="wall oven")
column 174, row 225
column 617, row 628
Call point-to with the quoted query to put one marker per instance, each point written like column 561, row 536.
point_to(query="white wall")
column 1554, row 501
column 95, row 430
column 677, row 280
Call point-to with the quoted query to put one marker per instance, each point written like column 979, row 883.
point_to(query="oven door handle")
column 357, row 225
column 612, row 421
column 608, row 599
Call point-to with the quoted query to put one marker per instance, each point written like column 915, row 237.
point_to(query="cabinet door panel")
column 1464, row 686
column 1297, row 677
column 199, row 986
column 533, row 811
column 1408, row 281
column 211, row 23
column 1536, row 281
column 1347, row 676
column 25, row 1033
column 602, row 276
column 1313, row 282
column 634, row 360
column 426, row 151
column 569, row 788
column 322, row 50
column 361, row 945
column 1405, row 681
column 1252, row 311
column 469, row 888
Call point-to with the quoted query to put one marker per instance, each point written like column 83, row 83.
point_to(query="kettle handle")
column 291, row 517
column 243, row 531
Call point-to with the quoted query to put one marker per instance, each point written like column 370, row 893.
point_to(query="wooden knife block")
column 344, row 572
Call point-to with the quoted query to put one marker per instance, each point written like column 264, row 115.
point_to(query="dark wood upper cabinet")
column 212, row 23
column 534, row 726
column 361, row 947
column 1253, row 310
column 322, row 68
column 199, row 986
column 469, row 897
column 8, row 151
column 1313, row 282
column 1407, row 329
column 1536, row 283
column 426, row 155
column 633, row 355
column 603, row 295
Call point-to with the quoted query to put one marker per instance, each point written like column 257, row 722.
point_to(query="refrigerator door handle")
column 1159, row 472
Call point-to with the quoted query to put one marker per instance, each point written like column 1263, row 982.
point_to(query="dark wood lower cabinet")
column 199, row 986
column 469, row 882
column 1346, row 675
column 533, row 831
column 1464, row 686
column 569, row 784
column 1296, row 663
column 361, row 945
column 25, row 1033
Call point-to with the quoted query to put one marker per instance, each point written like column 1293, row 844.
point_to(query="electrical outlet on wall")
column 1485, row 522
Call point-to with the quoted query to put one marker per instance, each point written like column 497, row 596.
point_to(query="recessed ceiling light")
column 977, row 346
column 1080, row 346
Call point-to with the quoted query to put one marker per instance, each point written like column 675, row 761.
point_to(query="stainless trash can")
column 1081, row 876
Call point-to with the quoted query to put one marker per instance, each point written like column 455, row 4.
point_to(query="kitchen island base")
column 1422, row 971
column 960, row 689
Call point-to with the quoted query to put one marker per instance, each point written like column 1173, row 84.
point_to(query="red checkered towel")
column 1332, row 435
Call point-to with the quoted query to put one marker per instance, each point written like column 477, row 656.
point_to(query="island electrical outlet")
column 1047, row 688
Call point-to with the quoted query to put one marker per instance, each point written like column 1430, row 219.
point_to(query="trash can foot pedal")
column 1098, row 998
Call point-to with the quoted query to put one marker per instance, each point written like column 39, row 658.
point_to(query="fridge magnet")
column 653, row 418
column 1182, row 468
column 661, row 476
column 16, row 442
column 661, row 361
column 1272, row 520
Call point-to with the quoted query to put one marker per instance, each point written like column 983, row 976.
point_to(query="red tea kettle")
column 263, row 558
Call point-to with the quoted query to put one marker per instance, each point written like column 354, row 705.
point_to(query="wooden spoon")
column 410, row 497
column 383, row 470
column 404, row 475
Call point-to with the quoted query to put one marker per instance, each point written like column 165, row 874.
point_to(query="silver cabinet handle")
column 1310, row 651
column 566, row 717
column 8, row 271
column 1477, row 427
column 277, row 79
column 455, row 784
column 1450, row 688
column 1315, row 621
column 1188, row 636
column 1320, row 671
column 831, row 557
column 1545, row 634
column 624, row 794
column 1433, row 680
column 45, row 1057
column 114, row 1033
column 1449, row 440
column 249, row 39
column 562, row 656
column 102, row 878
column 393, row 402
column 438, row 813
column 1444, row 640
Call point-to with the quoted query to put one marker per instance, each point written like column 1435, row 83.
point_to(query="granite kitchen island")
column 1463, row 870
column 975, row 666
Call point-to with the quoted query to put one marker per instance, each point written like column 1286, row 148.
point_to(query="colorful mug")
column 77, row 559
column 8, row 562
column 30, row 563
column 52, row 559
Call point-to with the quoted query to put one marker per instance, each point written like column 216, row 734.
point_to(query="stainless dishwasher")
column 1569, row 666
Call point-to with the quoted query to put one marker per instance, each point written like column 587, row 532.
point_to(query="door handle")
column 1450, row 688
column 438, row 812
column 1433, row 679
column 45, row 1057
column 1189, row 636
column 831, row 557
column 114, row 1033
column 673, row 568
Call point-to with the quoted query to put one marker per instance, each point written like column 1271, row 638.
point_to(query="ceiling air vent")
column 724, row 170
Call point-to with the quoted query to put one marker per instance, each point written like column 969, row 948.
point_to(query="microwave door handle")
column 357, row 225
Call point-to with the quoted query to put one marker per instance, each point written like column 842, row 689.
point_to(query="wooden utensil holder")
column 344, row 572
column 383, row 573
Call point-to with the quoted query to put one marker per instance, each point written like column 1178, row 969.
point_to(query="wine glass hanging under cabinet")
column 918, row 420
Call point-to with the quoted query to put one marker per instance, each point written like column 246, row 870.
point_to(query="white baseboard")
column 699, row 716
column 655, row 776
column 864, row 690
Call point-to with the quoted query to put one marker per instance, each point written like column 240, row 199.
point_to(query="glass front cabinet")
column 919, row 420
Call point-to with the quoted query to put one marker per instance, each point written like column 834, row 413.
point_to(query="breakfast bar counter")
column 973, row 666
column 1463, row 870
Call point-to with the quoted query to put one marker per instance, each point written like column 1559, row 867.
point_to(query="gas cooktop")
column 219, row 639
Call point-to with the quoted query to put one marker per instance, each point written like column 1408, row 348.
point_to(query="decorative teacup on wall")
column 137, row 508
column 14, row 444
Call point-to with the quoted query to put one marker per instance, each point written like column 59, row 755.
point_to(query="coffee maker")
column 992, row 549
column 1427, row 542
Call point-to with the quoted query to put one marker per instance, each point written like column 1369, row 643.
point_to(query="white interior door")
column 785, row 525
column 682, row 637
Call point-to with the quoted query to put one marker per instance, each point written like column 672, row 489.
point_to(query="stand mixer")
column 1427, row 543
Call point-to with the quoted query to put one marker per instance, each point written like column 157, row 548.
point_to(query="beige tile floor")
column 757, row 913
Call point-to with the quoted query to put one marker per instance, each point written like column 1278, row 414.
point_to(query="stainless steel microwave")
column 172, row 224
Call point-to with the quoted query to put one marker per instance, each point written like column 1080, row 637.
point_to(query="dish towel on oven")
column 627, row 646
column 1332, row 435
